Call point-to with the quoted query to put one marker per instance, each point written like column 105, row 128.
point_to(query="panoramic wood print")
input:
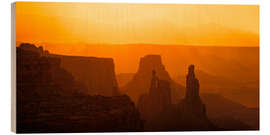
column 121, row 67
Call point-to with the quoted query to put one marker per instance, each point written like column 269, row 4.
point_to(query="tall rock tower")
column 192, row 101
column 160, row 92
column 192, row 86
column 158, row 98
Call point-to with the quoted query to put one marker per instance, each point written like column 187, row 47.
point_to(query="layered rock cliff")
column 139, row 84
column 97, row 74
column 49, row 99
column 41, row 74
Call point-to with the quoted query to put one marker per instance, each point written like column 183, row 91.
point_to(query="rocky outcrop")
column 139, row 84
column 49, row 99
column 162, row 115
column 42, row 74
column 157, row 100
column 33, row 48
column 192, row 101
column 97, row 74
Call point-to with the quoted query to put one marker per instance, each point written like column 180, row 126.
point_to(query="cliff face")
column 157, row 100
column 96, row 73
column 41, row 74
column 140, row 83
column 50, row 100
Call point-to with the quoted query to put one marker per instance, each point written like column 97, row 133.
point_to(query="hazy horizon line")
column 147, row 44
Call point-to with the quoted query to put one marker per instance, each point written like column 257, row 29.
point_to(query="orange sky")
column 92, row 23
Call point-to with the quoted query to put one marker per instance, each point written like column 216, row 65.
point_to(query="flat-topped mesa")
column 97, row 74
column 148, row 62
column 153, row 62
column 44, row 74
column 140, row 83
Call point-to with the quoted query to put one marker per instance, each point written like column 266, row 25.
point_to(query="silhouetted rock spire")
column 157, row 100
column 192, row 101
column 160, row 113
column 192, row 86
column 154, row 81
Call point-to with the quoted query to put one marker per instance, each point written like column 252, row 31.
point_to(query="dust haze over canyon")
column 123, row 67
column 220, row 93
column 232, row 71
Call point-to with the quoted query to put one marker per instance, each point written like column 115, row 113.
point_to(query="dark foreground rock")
column 49, row 99
column 176, row 119
column 78, row 114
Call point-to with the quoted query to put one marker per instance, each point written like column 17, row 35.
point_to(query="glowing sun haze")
column 98, row 23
